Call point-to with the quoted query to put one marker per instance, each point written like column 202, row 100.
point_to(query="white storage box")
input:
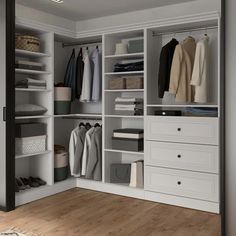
column 30, row 145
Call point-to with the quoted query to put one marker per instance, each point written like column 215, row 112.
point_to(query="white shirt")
column 87, row 79
column 72, row 146
column 96, row 90
column 200, row 73
column 87, row 147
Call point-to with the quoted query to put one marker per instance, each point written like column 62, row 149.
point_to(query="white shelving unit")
column 160, row 162
column 39, row 164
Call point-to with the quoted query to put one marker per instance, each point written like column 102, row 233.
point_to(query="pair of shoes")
column 19, row 185
column 37, row 181
column 27, row 183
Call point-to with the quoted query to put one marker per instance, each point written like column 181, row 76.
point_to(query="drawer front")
column 183, row 156
column 182, row 183
column 183, row 129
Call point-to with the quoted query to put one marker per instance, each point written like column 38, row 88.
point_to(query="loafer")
column 20, row 184
column 26, row 182
column 39, row 181
column 32, row 183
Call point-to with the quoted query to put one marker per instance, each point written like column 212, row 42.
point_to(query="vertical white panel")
column 2, row 102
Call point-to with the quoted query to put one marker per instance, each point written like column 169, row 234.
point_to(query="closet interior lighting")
column 57, row 1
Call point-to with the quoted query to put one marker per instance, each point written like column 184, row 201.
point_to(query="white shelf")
column 128, row 55
column 183, row 105
column 123, row 90
column 91, row 115
column 32, row 154
column 31, row 72
column 125, row 73
column 31, row 90
column 123, row 151
column 32, row 117
column 25, row 53
column 123, row 116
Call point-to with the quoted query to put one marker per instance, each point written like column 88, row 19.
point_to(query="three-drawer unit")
column 182, row 160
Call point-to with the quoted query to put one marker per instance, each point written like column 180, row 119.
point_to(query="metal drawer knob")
column 179, row 182
column 179, row 156
column 179, row 129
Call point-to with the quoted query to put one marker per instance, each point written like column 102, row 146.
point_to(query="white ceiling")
column 87, row 9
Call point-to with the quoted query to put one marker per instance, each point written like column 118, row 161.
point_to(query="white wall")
column 154, row 14
column 2, row 104
column 230, row 118
column 44, row 18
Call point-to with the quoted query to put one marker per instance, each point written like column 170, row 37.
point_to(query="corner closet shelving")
column 192, row 183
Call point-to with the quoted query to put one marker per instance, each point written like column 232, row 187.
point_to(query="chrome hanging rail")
column 155, row 34
column 87, row 44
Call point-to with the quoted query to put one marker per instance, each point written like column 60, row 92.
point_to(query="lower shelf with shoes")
column 22, row 184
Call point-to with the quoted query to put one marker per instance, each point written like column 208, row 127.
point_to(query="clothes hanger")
column 97, row 125
column 88, row 125
column 81, row 124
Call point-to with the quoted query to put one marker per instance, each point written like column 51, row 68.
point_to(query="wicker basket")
column 28, row 43
column 30, row 145
column 117, row 83
column 134, row 82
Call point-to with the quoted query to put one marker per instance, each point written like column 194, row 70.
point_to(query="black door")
column 7, row 105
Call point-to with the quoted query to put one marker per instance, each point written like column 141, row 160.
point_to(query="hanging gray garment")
column 94, row 166
column 79, row 151
column 97, row 75
column 87, row 79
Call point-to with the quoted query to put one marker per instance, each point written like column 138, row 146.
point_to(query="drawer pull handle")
column 179, row 156
column 179, row 182
column 179, row 129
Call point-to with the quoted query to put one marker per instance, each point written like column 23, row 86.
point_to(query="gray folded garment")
column 31, row 83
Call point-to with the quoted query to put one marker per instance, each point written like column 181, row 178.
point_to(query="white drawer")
column 182, row 156
column 182, row 129
column 182, row 183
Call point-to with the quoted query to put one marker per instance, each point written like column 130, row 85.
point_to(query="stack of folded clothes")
column 31, row 84
column 27, row 183
column 129, row 106
column 129, row 65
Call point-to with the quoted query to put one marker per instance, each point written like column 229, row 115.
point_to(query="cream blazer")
column 200, row 71
column 181, row 70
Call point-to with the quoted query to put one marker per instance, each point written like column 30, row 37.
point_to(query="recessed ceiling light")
column 57, row 1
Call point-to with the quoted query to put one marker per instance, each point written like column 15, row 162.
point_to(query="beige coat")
column 200, row 71
column 181, row 70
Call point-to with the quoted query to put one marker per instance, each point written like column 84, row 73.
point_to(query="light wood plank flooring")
column 80, row 212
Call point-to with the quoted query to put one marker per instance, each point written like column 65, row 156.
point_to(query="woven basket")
column 28, row 43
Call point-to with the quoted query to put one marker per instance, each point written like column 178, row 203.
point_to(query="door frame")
column 9, row 111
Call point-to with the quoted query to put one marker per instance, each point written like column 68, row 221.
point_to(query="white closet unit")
column 181, row 153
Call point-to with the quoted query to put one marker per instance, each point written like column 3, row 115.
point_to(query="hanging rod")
column 155, row 34
column 87, row 44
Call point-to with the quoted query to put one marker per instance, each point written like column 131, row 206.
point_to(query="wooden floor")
column 82, row 212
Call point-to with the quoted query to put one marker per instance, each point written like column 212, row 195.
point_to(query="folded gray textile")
column 28, row 82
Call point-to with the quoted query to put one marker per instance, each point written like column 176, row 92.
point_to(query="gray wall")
column 230, row 117
column 2, row 104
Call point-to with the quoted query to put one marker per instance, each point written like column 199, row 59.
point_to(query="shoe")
column 17, row 190
column 20, row 184
column 32, row 183
column 39, row 181
column 25, row 182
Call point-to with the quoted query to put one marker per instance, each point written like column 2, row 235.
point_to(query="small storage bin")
column 27, row 42
column 120, row 173
column 30, row 145
column 133, row 145
column 135, row 46
column 29, row 65
column 62, row 100
column 117, row 83
column 61, row 162
column 134, row 82
column 30, row 129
